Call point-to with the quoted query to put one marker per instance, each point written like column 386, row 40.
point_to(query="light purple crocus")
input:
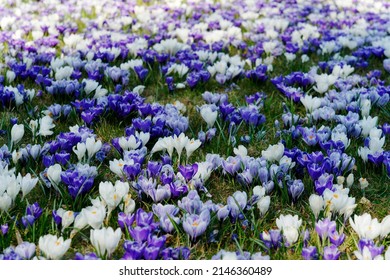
column 237, row 203
column 25, row 250
column 325, row 227
column 331, row 253
column 195, row 225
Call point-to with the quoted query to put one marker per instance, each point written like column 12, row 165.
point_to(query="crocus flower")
column 365, row 226
column 310, row 253
column 17, row 133
column 25, row 250
column 263, row 204
column 325, row 227
column 368, row 250
column 45, row 126
column 209, row 115
column 53, row 248
column 331, row 253
column 237, row 203
column 295, row 189
column 195, row 225
column 273, row 152
column 188, row 171
column 105, row 240
column 316, row 204
column 4, row 229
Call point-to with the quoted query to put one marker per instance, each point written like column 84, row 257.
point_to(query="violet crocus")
column 139, row 234
column 331, row 253
column 133, row 250
column 325, row 227
column 310, row 253
column 4, row 229
column 295, row 189
column 368, row 250
column 188, row 171
column 324, row 181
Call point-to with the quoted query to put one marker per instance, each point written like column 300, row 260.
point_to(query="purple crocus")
column 325, row 227
column 295, row 189
column 325, row 181
column 191, row 203
column 90, row 256
column 4, row 229
column 139, row 234
column 231, row 165
column 125, row 220
column 133, row 250
column 188, row 171
column 368, row 244
column 336, row 239
column 331, row 253
column 310, row 253
column 35, row 210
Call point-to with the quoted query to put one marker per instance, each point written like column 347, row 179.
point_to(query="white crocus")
column 350, row 179
column 92, row 146
column 367, row 123
column 67, row 219
column 263, row 204
column 128, row 205
column 191, row 146
column 27, row 183
column 10, row 76
column 63, row 73
column 116, row 166
column 363, row 183
column 365, row 226
column 385, row 225
column 290, row 234
column 105, row 240
column 341, row 136
column 5, row 202
column 54, row 174
column 179, row 142
column 17, row 132
column 111, row 194
column 288, row 221
column 143, row 136
column 129, row 143
column 80, row 150
column 376, row 144
column 94, row 215
column 316, row 204
column 240, row 151
column 45, row 126
column 311, row 103
column 209, row 115
column 33, row 124
column 365, row 107
column 54, row 248
column 90, row 85
column 273, row 152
